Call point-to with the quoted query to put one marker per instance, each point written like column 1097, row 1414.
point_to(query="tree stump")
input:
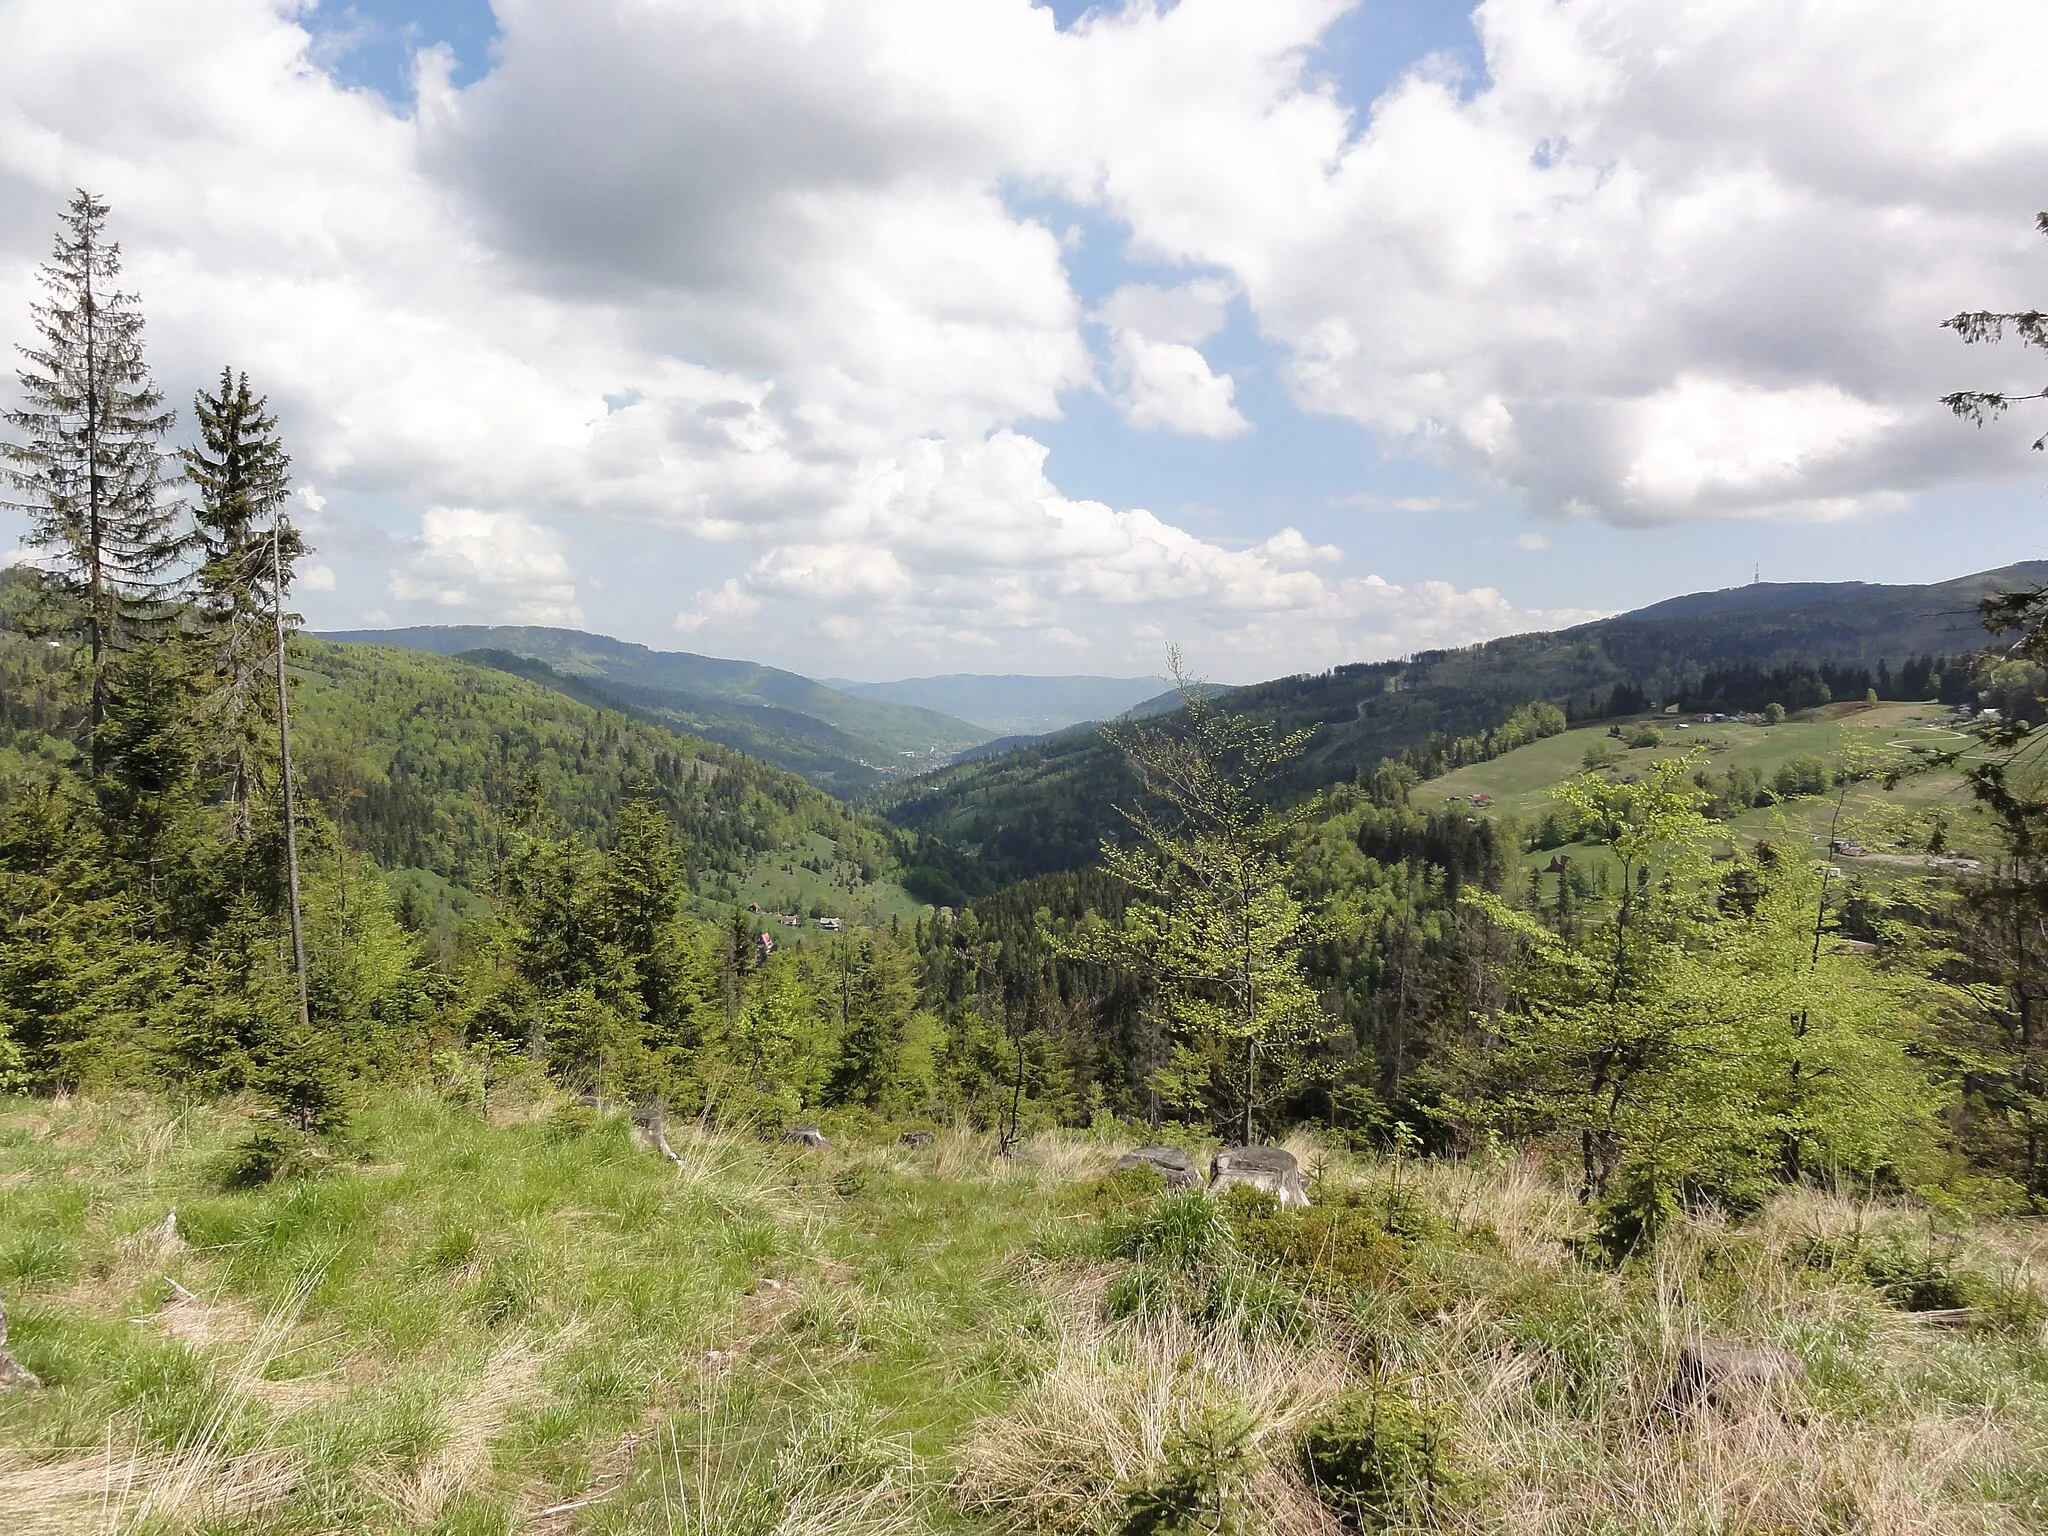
column 1170, row 1163
column 1728, row 1372
column 1272, row 1169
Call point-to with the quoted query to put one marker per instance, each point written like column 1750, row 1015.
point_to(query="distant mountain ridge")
column 1769, row 623
column 1014, row 704
column 841, row 743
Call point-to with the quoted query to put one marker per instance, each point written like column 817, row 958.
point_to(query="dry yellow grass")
column 1900, row 1448
column 1111, row 1400
column 117, row 1491
column 210, row 1475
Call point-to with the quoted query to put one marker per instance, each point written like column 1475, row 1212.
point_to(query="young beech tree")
column 1211, row 925
column 88, row 469
column 1694, row 1046
column 1588, row 1020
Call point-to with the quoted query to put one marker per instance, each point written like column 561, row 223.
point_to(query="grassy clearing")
column 781, row 882
column 1523, row 783
column 539, row 1325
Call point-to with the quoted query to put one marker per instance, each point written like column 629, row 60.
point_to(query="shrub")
column 1913, row 1277
column 1647, row 736
column 1381, row 1460
column 1632, row 1215
column 1139, row 1291
column 1252, row 1304
column 1180, row 1231
column 1804, row 775
column 270, row 1152
column 853, row 1182
column 1127, row 1189
column 1340, row 1242
column 572, row 1122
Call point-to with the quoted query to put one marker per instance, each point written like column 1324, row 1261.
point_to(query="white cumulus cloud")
column 1665, row 262
column 761, row 275
column 1163, row 382
column 485, row 564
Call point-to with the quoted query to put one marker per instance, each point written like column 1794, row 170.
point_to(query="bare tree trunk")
column 284, row 747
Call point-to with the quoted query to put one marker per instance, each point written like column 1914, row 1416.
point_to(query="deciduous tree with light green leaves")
column 1212, row 927
column 1711, row 1036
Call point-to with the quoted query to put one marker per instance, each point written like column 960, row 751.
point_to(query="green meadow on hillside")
column 814, row 874
column 530, row 1321
column 1894, row 823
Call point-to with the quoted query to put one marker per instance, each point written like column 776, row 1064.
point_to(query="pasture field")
column 782, row 880
column 1894, row 823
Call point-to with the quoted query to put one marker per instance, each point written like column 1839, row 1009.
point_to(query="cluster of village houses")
column 789, row 920
column 795, row 919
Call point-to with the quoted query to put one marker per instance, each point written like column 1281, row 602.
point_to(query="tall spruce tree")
column 88, row 470
column 242, row 475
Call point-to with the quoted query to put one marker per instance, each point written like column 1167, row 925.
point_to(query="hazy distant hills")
column 1045, row 805
column 838, row 741
column 1013, row 705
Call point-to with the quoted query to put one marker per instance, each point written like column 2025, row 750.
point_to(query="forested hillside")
column 820, row 753
column 838, row 741
column 422, row 757
column 1047, row 805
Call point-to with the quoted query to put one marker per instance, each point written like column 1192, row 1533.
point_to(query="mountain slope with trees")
column 820, row 753
column 764, row 710
column 422, row 756
column 1046, row 805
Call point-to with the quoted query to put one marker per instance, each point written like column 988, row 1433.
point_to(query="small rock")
column 917, row 1138
column 12, row 1372
column 1272, row 1169
column 1170, row 1163
column 1720, row 1370
column 806, row 1136
column 159, row 1241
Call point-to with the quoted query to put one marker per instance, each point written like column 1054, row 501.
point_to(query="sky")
column 875, row 338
